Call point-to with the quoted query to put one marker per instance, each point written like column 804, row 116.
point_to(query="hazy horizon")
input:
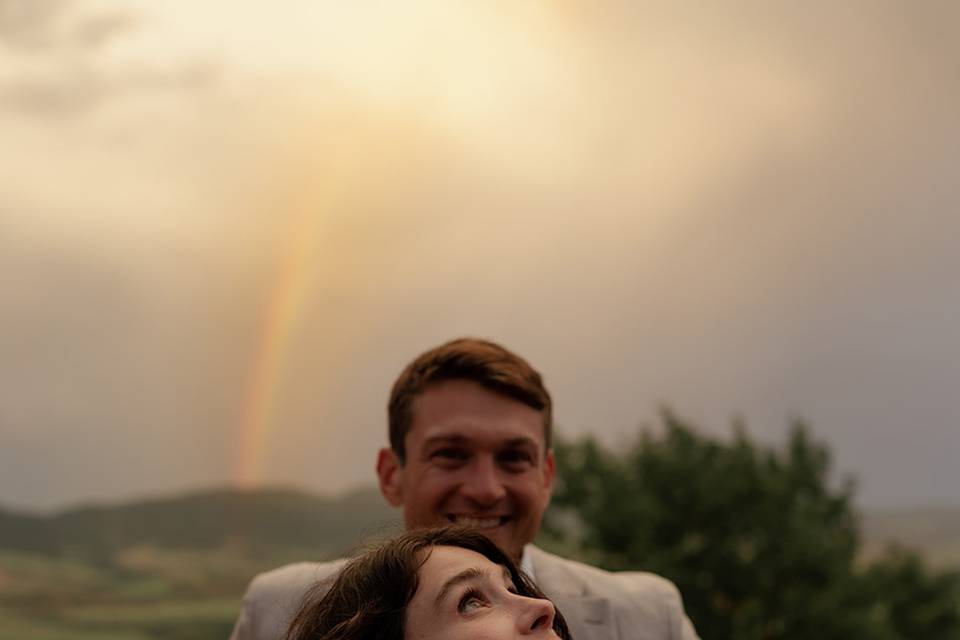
column 224, row 229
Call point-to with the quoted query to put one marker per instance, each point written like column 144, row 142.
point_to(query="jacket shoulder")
column 636, row 597
column 603, row 582
column 296, row 577
column 273, row 598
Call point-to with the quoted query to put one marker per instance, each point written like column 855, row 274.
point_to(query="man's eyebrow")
column 521, row 442
column 447, row 438
column 456, row 438
column 473, row 573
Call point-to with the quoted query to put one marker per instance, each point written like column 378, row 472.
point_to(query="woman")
column 449, row 583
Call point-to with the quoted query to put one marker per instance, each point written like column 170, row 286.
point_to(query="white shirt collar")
column 526, row 563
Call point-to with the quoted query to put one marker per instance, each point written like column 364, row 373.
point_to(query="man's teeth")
column 477, row 523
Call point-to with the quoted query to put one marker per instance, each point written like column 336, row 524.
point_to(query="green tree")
column 904, row 595
column 760, row 541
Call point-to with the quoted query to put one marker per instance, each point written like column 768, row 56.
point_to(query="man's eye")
column 449, row 454
column 515, row 458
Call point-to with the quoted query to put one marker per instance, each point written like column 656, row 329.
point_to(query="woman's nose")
column 537, row 616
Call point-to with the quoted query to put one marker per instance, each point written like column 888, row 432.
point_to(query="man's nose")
column 536, row 616
column 483, row 484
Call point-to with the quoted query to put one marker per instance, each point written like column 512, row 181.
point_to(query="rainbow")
column 273, row 340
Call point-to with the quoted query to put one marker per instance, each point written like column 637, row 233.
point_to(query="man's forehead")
column 468, row 404
column 468, row 395
column 447, row 435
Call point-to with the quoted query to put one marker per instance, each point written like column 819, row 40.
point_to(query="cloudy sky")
column 221, row 217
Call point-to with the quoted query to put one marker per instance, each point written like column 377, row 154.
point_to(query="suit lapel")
column 588, row 617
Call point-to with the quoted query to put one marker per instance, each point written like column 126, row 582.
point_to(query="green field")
column 47, row 598
column 165, row 569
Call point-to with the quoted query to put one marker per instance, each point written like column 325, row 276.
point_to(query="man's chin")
column 501, row 534
column 502, row 539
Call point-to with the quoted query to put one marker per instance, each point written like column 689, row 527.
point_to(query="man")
column 470, row 429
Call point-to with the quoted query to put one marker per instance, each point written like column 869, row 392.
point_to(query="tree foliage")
column 759, row 540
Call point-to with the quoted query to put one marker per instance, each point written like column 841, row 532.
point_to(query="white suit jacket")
column 597, row 604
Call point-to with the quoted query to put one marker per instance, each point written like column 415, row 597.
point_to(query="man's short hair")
column 481, row 361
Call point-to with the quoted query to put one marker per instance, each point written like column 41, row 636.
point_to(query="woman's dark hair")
column 369, row 598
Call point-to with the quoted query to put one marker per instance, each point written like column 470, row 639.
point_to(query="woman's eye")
column 470, row 602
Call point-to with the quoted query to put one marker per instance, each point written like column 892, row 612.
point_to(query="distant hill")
column 255, row 522
column 270, row 522
column 933, row 531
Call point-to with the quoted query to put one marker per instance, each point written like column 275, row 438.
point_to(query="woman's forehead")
column 447, row 563
column 443, row 559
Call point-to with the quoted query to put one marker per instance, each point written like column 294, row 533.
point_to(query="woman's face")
column 464, row 596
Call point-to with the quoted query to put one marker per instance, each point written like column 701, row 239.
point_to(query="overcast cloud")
column 738, row 211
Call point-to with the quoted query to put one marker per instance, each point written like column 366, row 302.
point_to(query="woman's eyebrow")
column 467, row 575
column 473, row 573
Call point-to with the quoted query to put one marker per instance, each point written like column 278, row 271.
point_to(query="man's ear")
column 390, row 473
column 549, row 471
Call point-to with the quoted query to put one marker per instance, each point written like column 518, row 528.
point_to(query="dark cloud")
column 72, row 82
column 30, row 24
column 97, row 30
column 38, row 26
column 62, row 94
column 75, row 90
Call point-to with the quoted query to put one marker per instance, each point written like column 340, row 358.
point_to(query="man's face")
column 474, row 457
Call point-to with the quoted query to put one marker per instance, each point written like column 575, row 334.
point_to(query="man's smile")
column 478, row 522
